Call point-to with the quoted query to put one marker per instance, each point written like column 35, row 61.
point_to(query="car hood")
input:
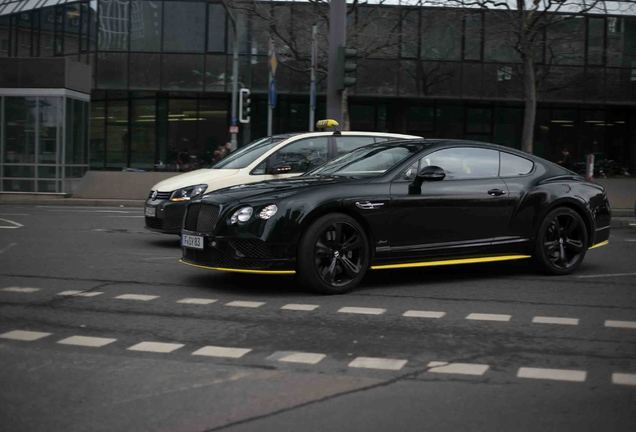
column 201, row 176
column 271, row 190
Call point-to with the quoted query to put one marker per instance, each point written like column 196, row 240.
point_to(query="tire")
column 561, row 242
column 333, row 254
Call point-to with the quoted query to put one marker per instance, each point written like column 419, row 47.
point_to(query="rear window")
column 512, row 166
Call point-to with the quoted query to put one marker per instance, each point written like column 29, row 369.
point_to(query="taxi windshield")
column 368, row 161
column 244, row 156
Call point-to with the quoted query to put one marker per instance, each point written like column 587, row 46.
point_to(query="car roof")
column 345, row 133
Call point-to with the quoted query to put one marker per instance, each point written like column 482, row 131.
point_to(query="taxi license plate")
column 192, row 241
column 151, row 211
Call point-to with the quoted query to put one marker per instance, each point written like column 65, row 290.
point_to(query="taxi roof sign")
column 327, row 124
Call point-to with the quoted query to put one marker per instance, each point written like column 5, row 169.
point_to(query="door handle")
column 496, row 192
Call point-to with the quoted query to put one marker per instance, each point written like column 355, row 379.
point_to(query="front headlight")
column 242, row 215
column 268, row 211
column 187, row 193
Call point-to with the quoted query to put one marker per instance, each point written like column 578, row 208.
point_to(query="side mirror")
column 431, row 173
column 281, row 169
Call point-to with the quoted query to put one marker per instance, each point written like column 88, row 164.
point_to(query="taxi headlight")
column 268, row 211
column 187, row 193
column 242, row 215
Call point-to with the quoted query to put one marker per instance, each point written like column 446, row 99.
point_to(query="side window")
column 301, row 155
column 512, row 165
column 464, row 162
column 345, row 144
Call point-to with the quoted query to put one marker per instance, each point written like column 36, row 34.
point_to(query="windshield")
column 368, row 161
column 244, row 156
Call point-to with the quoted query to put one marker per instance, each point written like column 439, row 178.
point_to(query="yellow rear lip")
column 603, row 243
column 451, row 262
column 235, row 270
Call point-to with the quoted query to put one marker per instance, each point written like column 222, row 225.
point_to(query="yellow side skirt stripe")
column 603, row 243
column 451, row 262
column 269, row 272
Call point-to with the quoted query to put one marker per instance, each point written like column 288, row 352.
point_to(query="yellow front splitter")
column 267, row 272
column 451, row 262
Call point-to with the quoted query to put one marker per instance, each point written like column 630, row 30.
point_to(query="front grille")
column 201, row 217
column 251, row 248
column 160, row 195
column 155, row 223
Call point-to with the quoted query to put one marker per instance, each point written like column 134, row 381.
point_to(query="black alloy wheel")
column 333, row 255
column 562, row 241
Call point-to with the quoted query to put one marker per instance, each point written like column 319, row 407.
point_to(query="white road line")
column 86, row 341
column 458, row 368
column 299, row 307
column 219, row 351
column 138, row 297
column 245, row 304
column 377, row 363
column 77, row 293
column 624, row 379
column 135, row 216
column 10, row 224
column 297, row 357
column 552, row 374
column 197, row 301
column 632, row 224
column 7, row 247
column 20, row 289
column 605, row 275
column 23, row 335
column 90, row 211
column 555, row 320
column 620, row 324
column 630, row 240
column 15, row 214
column 362, row 310
column 156, row 347
column 423, row 314
column 488, row 317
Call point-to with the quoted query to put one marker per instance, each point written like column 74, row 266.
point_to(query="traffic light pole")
column 235, row 78
column 337, row 38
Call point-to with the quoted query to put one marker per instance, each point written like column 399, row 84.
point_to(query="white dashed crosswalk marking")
column 555, row 320
column 137, row 297
column 156, row 347
column 219, row 351
column 86, row 341
column 458, row 368
column 488, row 317
column 245, row 304
column 24, row 335
column 361, row 310
column 423, row 314
column 620, row 324
column 197, row 301
column 624, row 379
column 77, row 293
column 552, row 374
column 377, row 363
column 297, row 357
column 25, row 290
column 300, row 307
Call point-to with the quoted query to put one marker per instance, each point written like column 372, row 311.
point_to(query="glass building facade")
column 162, row 74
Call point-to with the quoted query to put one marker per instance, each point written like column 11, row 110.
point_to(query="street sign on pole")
column 272, row 93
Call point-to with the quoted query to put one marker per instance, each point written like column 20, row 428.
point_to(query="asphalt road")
column 101, row 329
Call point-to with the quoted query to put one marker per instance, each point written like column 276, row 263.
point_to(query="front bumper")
column 168, row 216
column 240, row 254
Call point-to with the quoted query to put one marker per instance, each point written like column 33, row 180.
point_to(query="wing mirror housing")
column 431, row 173
column 281, row 169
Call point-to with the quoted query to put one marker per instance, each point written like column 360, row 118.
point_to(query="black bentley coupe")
column 397, row 205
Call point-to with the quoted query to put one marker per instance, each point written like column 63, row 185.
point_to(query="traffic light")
column 244, row 105
column 346, row 67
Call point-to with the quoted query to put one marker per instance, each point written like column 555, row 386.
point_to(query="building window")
column 145, row 25
column 441, row 35
column 472, row 36
column 595, row 40
column 113, row 25
column 184, row 26
column 216, row 27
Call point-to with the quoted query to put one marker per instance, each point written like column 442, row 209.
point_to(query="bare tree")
column 524, row 25
column 370, row 31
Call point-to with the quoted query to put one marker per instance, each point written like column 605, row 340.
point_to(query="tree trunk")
column 346, row 123
column 530, row 108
